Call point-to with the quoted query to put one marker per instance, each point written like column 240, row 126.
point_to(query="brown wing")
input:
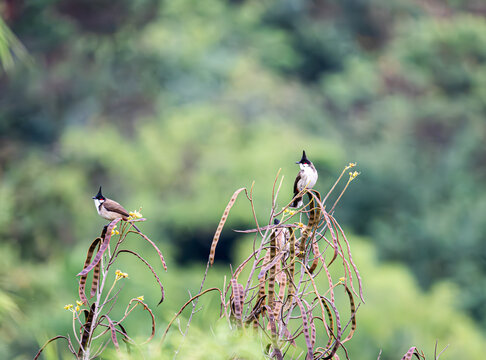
column 296, row 201
column 112, row 205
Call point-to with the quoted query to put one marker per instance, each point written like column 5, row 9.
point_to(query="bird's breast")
column 309, row 177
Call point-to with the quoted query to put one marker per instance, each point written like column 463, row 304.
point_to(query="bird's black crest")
column 99, row 196
column 304, row 159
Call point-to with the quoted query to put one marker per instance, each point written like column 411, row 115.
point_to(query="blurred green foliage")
column 173, row 105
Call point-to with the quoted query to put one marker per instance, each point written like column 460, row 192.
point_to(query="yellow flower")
column 352, row 175
column 120, row 275
column 79, row 303
column 300, row 225
column 342, row 279
column 350, row 165
column 77, row 308
column 113, row 232
column 286, row 210
column 136, row 214
column 68, row 307
column 140, row 298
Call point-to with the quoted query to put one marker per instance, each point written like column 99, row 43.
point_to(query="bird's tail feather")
column 297, row 202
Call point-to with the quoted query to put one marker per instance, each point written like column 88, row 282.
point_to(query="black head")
column 99, row 196
column 304, row 159
column 276, row 221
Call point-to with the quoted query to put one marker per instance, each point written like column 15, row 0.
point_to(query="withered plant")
column 93, row 326
column 284, row 289
column 415, row 353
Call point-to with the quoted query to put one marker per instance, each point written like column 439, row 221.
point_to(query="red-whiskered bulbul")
column 306, row 178
column 110, row 209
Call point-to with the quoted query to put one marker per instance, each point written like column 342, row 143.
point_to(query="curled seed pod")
column 271, row 273
column 237, row 298
column 103, row 247
column 82, row 280
column 217, row 234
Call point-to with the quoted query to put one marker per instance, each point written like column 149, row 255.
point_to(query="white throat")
column 97, row 204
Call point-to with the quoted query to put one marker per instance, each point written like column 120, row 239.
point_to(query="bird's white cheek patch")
column 97, row 204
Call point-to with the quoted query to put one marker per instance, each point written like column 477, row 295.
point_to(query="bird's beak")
column 297, row 162
column 94, row 197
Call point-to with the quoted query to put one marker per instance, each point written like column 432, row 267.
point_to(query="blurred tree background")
column 172, row 105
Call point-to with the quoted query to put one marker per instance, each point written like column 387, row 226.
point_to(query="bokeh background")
column 173, row 105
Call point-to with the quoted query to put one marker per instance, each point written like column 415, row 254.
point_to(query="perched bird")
column 109, row 209
column 306, row 179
